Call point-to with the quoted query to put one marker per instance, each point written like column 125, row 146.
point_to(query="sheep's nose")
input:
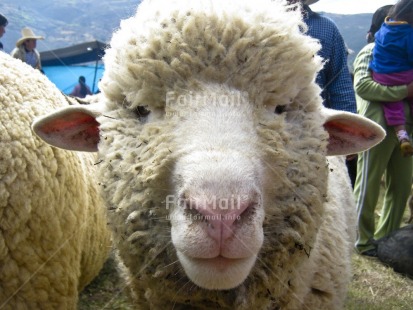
column 220, row 220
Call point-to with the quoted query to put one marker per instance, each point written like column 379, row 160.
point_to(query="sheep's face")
column 233, row 137
column 231, row 179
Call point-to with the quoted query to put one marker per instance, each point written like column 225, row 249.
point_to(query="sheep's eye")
column 280, row 109
column 142, row 111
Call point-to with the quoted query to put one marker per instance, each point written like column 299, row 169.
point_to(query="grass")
column 106, row 291
column 377, row 287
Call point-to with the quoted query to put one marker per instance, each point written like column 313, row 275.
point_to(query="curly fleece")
column 53, row 231
column 171, row 50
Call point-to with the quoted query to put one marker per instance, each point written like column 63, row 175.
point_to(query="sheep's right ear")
column 71, row 128
column 350, row 133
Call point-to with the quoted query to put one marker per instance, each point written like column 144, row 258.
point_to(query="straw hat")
column 27, row 33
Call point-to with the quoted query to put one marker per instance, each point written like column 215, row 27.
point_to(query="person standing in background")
column 384, row 158
column 334, row 78
column 3, row 24
column 25, row 49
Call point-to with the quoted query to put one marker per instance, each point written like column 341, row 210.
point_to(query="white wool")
column 53, row 234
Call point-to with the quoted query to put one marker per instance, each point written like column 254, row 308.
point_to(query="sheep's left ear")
column 72, row 128
column 350, row 133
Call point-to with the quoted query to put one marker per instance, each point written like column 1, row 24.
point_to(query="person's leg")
column 370, row 169
column 394, row 113
column 398, row 187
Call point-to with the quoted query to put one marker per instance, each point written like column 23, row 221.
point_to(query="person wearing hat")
column 25, row 49
column 384, row 158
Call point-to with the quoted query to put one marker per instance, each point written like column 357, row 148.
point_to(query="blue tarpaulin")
column 63, row 66
column 66, row 77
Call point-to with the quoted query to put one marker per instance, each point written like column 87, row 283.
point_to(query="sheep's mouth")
column 219, row 262
column 217, row 273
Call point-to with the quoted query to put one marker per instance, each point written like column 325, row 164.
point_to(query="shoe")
column 406, row 148
column 370, row 253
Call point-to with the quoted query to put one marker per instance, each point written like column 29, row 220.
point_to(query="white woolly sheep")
column 53, row 230
column 212, row 147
